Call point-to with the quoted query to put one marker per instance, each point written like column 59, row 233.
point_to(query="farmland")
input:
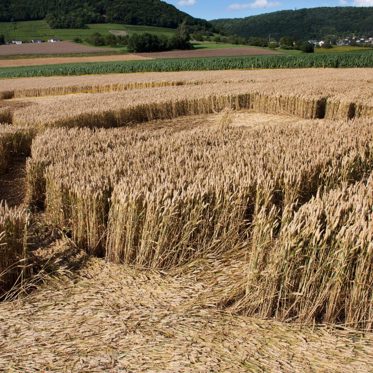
column 69, row 53
column 338, row 60
column 64, row 47
column 214, row 220
column 210, row 52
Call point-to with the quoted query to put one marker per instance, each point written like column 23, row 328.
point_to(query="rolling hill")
column 78, row 13
column 302, row 24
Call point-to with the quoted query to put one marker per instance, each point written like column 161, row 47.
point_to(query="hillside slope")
column 302, row 23
column 73, row 13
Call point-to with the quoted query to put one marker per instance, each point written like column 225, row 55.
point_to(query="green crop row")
column 191, row 64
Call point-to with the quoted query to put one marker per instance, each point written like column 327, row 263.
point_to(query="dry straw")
column 158, row 323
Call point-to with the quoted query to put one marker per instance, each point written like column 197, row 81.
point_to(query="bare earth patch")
column 224, row 52
column 62, row 47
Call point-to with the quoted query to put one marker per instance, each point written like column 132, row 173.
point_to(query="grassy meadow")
column 29, row 30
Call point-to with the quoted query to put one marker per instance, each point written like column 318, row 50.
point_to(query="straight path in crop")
column 12, row 183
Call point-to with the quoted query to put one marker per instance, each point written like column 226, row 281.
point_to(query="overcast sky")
column 211, row 9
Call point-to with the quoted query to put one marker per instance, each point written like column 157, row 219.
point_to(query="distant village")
column 35, row 41
column 347, row 41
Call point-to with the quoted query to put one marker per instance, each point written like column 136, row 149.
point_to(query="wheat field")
column 62, row 85
column 251, row 194
column 143, row 198
column 312, row 97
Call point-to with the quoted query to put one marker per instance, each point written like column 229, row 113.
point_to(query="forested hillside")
column 77, row 13
column 303, row 23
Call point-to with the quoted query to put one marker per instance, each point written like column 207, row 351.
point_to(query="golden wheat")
column 285, row 196
column 161, row 198
column 272, row 92
column 6, row 115
column 320, row 264
column 13, row 142
column 44, row 86
column 107, row 157
column 13, row 252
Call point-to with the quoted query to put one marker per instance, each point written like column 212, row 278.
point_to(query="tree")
column 2, row 39
column 96, row 39
column 234, row 39
column 258, row 42
column 286, row 42
column 303, row 24
column 197, row 37
column 327, row 45
column 217, row 39
column 68, row 12
column 181, row 40
column 153, row 43
column 111, row 40
column 331, row 39
column 146, row 43
column 182, row 31
column 307, row 47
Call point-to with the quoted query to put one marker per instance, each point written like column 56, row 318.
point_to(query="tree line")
column 302, row 24
column 144, row 42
